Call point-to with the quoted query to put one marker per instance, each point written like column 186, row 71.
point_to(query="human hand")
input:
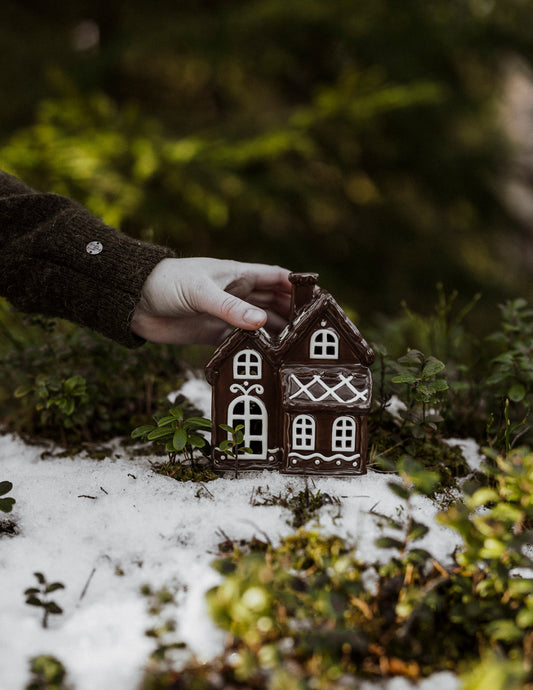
column 194, row 300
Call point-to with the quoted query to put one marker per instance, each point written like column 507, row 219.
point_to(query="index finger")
column 265, row 277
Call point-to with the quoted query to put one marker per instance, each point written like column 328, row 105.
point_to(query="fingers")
column 260, row 277
column 231, row 309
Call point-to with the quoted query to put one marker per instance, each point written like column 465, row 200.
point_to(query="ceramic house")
column 303, row 397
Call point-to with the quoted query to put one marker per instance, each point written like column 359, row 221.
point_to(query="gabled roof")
column 273, row 348
column 324, row 304
column 259, row 340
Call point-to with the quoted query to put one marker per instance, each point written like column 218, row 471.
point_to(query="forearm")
column 47, row 264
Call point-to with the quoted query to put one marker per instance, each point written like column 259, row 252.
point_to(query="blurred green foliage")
column 361, row 140
column 71, row 385
column 311, row 612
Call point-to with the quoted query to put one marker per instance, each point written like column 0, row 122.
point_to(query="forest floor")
column 106, row 528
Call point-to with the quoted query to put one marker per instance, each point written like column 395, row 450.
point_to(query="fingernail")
column 254, row 317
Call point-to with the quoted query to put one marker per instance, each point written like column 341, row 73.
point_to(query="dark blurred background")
column 387, row 145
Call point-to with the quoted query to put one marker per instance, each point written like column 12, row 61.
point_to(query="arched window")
column 247, row 365
column 324, row 344
column 303, row 432
column 251, row 413
column 343, row 434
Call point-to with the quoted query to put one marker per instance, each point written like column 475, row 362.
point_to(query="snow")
column 104, row 528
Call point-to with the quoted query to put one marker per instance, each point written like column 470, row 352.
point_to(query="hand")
column 194, row 300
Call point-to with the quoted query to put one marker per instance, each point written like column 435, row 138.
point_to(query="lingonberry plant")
column 234, row 444
column 7, row 503
column 176, row 433
column 40, row 596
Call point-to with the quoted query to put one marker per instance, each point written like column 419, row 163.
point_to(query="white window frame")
column 247, row 360
column 303, row 432
column 246, row 418
column 343, row 441
column 321, row 340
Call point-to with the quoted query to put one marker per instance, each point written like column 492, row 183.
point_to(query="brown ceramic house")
column 303, row 396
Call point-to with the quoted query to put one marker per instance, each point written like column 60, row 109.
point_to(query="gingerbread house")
column 302, row 396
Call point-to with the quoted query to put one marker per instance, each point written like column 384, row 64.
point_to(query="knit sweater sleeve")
column 59, row 260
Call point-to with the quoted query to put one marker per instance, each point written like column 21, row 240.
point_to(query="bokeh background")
column 387, row 145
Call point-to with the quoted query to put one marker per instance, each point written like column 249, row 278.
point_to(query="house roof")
column 274, row 347
column 259, row 340
column 324, row 304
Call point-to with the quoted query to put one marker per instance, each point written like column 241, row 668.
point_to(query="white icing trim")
column 310, row 456
column 329, row 391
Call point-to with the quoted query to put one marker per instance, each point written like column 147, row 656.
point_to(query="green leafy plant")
column 161, row 603
column 234, row 444
column 40, row 596
column 75, row 386
column 48, row 673
column 425, row 383
column 63, row 403
column 7, row 503
column 511, row 375
column 176, row 433
column 310, row 613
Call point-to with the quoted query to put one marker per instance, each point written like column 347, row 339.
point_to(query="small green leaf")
column 417, row 531
column 197, row 441
column 21, row 391
column 5, row 487
column 158, row 433
column 140, row 431
column 389, row 543
column 404, row 378
column 177, row 412
column 6, row 504
column 226, row 427
column 225, row 445
column 33, row 601
column 165, row 421
column 399, row 489
column 199, row 422
column 517, row 392
column 54, row 586
column 432, row 367
column 53, row 608
column 40, row 578
column 179, row 440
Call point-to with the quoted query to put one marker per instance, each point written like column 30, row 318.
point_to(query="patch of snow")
column 198, row 391
column 470, row 450
column 106, row 528
column 395, row 406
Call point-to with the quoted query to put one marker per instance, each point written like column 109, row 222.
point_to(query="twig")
column 87, row 584
column 206, row 489
column 102, row 489
column 85, row 496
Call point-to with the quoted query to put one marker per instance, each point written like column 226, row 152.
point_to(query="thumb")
column 229, row 308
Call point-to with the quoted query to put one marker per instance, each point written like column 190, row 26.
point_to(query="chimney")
column 303, row 289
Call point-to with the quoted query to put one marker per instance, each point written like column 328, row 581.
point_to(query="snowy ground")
column 105, row 528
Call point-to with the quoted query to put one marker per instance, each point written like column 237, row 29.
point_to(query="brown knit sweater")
column 59, row 260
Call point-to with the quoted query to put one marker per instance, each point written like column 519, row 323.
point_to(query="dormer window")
column 247, row 365
column 324, row 344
